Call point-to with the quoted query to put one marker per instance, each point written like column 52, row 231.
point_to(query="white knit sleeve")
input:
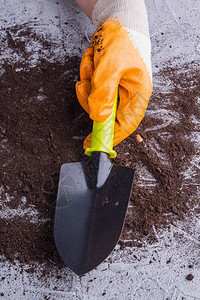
column 130, row 13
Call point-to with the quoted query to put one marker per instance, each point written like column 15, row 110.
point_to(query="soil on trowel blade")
column 42, row 126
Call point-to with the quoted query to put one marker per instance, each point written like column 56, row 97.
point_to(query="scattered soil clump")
column 190, row 277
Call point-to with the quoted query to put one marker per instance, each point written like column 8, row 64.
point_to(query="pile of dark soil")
column 42, row 126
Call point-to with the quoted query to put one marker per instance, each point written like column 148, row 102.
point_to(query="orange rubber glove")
column 118, row 58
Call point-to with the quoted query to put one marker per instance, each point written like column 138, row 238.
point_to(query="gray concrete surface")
column 123, row 276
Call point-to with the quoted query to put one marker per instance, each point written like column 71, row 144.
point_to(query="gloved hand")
column 118, row 58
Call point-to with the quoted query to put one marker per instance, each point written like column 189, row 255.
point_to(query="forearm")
column 87, row 6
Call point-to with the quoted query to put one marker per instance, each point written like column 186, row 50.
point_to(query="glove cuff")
column 130, row 13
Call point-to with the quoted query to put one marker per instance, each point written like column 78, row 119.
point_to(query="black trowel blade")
column 90, row 211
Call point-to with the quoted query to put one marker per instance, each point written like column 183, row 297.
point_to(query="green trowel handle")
column 103, row 134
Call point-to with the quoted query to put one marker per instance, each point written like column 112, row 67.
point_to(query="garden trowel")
column 92, row 202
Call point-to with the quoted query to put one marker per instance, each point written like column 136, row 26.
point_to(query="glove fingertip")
column 100, row 106
column 87, row 141
column 99, row 115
